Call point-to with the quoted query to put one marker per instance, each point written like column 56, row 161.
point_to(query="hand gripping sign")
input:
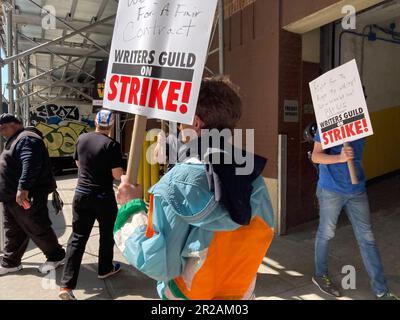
column 156, row 63
column 340, row 108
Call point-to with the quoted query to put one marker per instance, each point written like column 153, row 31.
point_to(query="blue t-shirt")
column 336, row 177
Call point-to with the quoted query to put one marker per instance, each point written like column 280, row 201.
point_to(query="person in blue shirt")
column 336, row 192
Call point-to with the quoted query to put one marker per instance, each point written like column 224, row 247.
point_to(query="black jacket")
column 25, row 165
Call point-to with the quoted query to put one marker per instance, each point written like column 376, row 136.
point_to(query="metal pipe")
column 118, row 132
column 214, row 29
column 61, row 57
column 99, row 14
column 45, row 88
column 55, row 41
column 48, row 72
column 58, row 81
column 68, row 86
column 45, row 102
column 26, row 85
column 48, row 82
column 9, row 54
column 280, row 224
column 16, row 75
column 209, row 70
column 221, row 10
column 359, row 35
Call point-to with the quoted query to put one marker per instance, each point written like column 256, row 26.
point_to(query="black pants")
column 34, row 223
column 86, row 209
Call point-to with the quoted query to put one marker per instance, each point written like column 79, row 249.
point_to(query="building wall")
column 251, row 60
column 302, row 16
column 252, row 63
column 381, row 68
column 266, row 62
column 380, row 74
column 296, row 10
column 311, row 47
column 272, row 65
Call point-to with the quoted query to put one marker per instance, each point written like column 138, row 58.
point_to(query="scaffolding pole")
column 9, row 40
column 16, row 75
column 221, row 17
column 60, row 56
column 27, row 81
column 26, row 85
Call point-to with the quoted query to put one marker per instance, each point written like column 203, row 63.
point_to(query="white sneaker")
column 4, row 270
column 50, row 265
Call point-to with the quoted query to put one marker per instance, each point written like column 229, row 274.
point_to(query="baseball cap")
column 8, row 118
column 105, row 118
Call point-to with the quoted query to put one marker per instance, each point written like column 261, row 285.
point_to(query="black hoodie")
column 25, row 165
column 230, row 188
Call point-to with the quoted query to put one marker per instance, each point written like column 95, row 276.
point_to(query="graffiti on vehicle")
column 54, row 114
column 61, row 126
column 60, row 139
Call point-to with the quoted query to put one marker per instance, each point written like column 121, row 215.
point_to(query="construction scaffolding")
column 52, row 48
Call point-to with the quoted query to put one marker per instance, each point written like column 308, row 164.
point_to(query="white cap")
column 105, row 118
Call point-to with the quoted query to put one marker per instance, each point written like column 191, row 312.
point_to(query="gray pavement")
column 285, row 273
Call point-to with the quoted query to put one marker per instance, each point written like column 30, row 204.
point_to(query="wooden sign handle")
column 164, row 126
column 135, row 153
column 352, row 168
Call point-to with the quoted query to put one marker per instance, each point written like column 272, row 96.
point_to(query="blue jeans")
column 357, row 209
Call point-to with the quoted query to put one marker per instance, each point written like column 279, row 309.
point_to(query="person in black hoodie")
column 26, row 180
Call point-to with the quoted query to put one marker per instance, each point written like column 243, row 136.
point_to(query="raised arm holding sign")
column 156, row 63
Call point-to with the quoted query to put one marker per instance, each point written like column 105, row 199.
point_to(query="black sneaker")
column 388, row 296
column 117, row 268
column 326, row 285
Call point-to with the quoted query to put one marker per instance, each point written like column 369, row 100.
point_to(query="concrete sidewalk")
column 285, row 274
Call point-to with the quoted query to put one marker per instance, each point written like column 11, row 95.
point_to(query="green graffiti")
column 60, row 139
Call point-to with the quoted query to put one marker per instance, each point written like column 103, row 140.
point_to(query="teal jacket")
column 181, row 224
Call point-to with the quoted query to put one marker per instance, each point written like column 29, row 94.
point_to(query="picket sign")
column 341, row 109
column 156, row 64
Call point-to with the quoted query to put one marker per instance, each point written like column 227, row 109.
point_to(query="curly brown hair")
column 219, row 105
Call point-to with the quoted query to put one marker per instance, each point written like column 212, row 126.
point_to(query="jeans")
column 357, row 209
column 87, row 208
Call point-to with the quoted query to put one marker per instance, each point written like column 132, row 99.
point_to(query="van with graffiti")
column 61, row 125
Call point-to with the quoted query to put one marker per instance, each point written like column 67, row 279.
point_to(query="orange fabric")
column 232, row 262
column 150, row 228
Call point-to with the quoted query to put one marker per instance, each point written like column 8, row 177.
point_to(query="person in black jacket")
column 26, row 180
